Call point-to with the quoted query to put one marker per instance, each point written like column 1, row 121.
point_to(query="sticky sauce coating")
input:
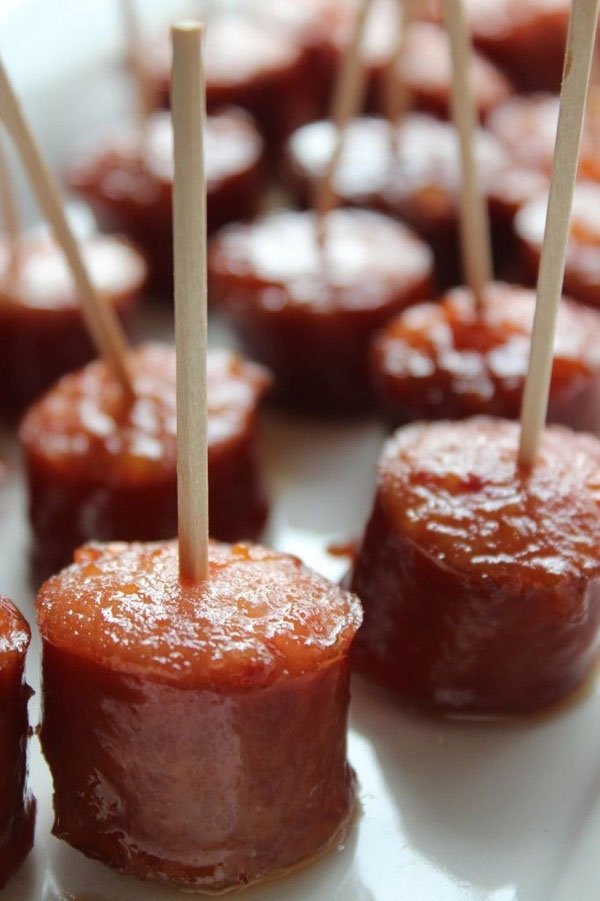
column 41, row 320
column 582, row 270
column 260, row 617
column 230, row 699
column 481, row 580
column 128, row 180
column 449, row 360
column 100, row 468
column 308, row 312
column 17, row 807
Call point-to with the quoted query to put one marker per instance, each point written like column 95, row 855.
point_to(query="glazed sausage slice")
column 128, row 180
column 480, row 580
column 308, row 311
column 526, row 38
column 425, row 67
column 417, row 178
column 448, row 359
column 197, row 735
column 17, row 807
column 98, row 468
column 249, row 62
column 526, row 126
column 42, row 331
column 582, row 271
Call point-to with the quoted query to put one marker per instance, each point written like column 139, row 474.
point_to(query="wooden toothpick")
column 101, row 320
column 474, row 219
column 397, row 93
column 11, row 218
column 576, row 74
column 145, row 104
column 189, row 247
column 347, row 100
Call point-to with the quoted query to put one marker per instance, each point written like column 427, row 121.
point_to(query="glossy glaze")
column 100, row 469
column 582, row 270
column 128, row 179
column 447, row 360
column 17, row 807
column 308, row 313
column 481, row 580
column 419, row 182
column 42, row 332
column 229, row 700
column 526, row 38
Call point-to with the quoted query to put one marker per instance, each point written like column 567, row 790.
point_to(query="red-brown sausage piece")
column 424, row 66
column 128, row 180
column 480, row 580
column 315, row 26
column 526, row 126
column 101, row 469
column 17, row 807
column 582, row 271
column 308, row 312
column 327, row 25
column 450, row 360
column 419, row 183
column 249, row 62
column 526, row 38
column 197, row 735
column 42, row 331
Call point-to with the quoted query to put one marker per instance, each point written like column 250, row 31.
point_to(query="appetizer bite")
column 582, row 271
column 127, row 178
column 415, row 176
column 250, row 62
column 424, row 64
column 42, row 329
column 101, row 466
column 229, row 698
column 425, row 67
column 526, row 126
column 17, row 806
column 526, row 38
column 307, row 308
column 479, row 577
column 453, row 358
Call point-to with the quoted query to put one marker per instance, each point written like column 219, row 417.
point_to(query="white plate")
column 450, row 811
